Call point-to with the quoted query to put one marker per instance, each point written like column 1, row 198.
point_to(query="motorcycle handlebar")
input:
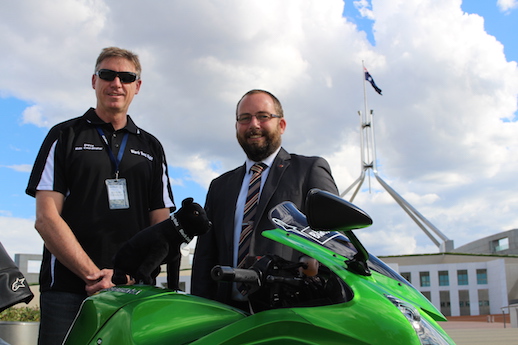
column 294, row 281
column 230, row 274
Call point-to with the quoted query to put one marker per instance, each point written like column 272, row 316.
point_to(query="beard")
column 259, row 152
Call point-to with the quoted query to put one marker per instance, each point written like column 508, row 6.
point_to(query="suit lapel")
column 280, row 163
column 231, row 190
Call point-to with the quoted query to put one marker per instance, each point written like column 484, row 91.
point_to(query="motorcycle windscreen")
column 286, row 216
column 293, row 230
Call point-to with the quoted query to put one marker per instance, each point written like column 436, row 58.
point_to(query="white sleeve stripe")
column 165, row 182
column 52, row 269
column 47, row 175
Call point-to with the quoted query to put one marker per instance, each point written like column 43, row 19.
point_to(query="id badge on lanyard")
column 117, row 193
column 116, row 188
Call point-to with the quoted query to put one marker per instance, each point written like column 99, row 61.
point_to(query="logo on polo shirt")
column 90, row 147
column 141, row 153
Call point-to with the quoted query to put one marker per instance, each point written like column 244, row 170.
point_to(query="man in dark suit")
column 287, row 177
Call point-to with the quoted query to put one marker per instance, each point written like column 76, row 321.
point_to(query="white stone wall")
column 496, row 285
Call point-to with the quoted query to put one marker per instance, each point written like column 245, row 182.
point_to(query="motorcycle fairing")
column 295, row 233
column 143, row 314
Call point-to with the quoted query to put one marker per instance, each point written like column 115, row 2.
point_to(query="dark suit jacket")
column 290, row 178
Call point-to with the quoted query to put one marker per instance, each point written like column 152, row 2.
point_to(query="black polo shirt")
column 74, row 161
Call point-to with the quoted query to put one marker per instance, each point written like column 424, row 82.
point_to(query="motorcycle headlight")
column 426, row 332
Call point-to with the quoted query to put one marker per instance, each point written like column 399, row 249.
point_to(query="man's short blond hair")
column 110, row 52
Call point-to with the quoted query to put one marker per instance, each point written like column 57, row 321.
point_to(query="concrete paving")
column 481, row 333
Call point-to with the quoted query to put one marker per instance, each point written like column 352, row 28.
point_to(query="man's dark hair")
column 276, row 102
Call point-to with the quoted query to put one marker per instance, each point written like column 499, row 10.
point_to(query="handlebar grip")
column 230, row 274
column 294, row 281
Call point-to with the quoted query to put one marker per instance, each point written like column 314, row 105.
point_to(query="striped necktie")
column 249, row 213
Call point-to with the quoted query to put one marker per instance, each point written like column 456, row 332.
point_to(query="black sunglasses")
column 109, row 75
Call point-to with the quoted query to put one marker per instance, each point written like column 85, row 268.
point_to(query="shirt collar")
column 91, row 117
column 268, row 161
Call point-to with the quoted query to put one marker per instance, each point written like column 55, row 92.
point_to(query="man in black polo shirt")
column 98, row 180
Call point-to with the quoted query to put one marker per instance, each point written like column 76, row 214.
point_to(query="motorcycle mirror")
column 326, row 211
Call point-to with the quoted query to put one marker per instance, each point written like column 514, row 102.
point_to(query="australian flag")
column 369, row 78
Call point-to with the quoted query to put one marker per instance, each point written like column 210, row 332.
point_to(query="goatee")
column 258, row 153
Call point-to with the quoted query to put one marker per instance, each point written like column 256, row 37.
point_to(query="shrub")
column 25, row 314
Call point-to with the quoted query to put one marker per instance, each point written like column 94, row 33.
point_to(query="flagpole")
column 362, row 123
column 364, row 93
column 364, row 166
column 367, row 122
column 368, row 150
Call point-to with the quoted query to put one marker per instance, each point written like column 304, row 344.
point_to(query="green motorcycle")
column 337, row 293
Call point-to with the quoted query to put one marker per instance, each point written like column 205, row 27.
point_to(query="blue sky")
column 19, row 145
column 310, row 56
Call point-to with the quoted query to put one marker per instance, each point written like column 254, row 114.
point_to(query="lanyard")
column 116, row 162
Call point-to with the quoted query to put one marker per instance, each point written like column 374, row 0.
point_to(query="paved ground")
column 478, row 331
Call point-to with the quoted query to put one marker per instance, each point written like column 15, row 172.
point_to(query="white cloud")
column 19, row 236
column 32, row 115
column 176, row 182
column 364, row 8
column 20, row 167
column 201, row 170
column 507, row 5
column 441, row 140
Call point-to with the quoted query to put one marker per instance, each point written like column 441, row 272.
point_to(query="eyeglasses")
column 109, row 75
column 261, row 117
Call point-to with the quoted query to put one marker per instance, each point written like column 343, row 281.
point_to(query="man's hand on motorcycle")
column 98, row 281
column 310, row 268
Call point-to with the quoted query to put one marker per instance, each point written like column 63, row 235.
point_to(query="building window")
column 424, row 277
column 464, row 303
column 444, row 279
column 500, row 245
column 483, row 302
column 445, row 303
column 407, row 276
column 462, row 277
column 482, row 276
